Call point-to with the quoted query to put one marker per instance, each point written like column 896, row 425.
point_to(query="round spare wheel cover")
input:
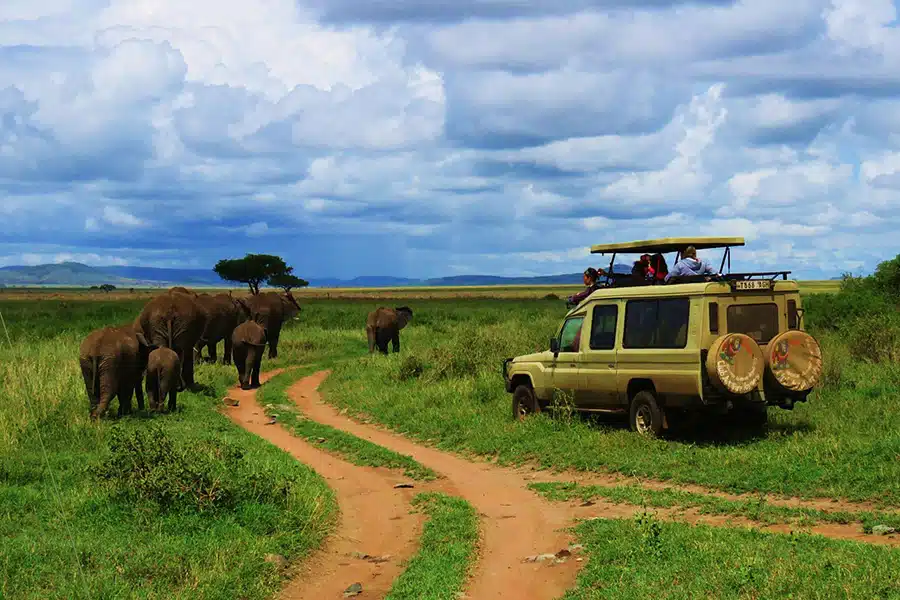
column 735, row 363
column 794, row 359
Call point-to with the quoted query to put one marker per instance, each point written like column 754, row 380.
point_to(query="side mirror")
column 554, row 345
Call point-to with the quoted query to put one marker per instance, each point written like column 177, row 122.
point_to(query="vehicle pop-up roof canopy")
column 677, row 245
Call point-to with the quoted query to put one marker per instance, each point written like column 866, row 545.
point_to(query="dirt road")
column 515, row 522
column 375, row 519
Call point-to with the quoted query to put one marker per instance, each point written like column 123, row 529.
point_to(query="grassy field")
column 77, row 522
column 509, row 292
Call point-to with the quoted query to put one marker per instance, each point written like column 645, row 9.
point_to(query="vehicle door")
column 598, row 358
column 565, row 372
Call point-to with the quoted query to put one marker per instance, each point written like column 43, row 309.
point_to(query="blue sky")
column 428, row 138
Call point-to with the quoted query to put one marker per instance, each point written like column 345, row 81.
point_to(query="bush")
column 147, row 465
column 875, row 338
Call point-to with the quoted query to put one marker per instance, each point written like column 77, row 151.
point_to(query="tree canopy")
column 286, row 281
column 256, row 269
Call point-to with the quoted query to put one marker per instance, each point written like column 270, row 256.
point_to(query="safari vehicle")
column 725, row 344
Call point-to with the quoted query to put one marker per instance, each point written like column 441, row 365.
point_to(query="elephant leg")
column 395, row 341
column 370, row 335
column 126, row 390
column 226, row 354
column 173, row 397
column 139, row 390
column 87, row 373
column 257, row 363
column 239, row 363
column 212, row 358
column 152, row 392
column 381, row 339
column 187, row 374
column 106, row 396
column 273, row 343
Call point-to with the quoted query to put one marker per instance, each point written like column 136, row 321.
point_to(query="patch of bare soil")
column 377, row 531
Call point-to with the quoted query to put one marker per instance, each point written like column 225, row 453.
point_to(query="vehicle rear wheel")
column 646, row 417
column 524, row 402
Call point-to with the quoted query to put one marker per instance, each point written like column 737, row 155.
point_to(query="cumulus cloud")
column 426, row 138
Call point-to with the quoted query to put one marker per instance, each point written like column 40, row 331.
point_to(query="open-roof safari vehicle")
column 729, row 343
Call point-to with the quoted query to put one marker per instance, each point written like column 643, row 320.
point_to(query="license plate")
column 753, row 284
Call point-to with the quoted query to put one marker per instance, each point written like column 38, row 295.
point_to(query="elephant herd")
column 158, row 349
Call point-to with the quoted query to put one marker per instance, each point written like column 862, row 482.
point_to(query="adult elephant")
column 175, row 320
column 224, row 314
column 383, row 325
column 112, row 361
column 271, row 310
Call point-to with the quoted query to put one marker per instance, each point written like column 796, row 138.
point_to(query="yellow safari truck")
column 654, row 349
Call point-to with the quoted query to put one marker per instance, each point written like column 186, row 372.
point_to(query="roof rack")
column 664, row 245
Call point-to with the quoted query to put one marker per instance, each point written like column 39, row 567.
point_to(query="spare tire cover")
column 794, row 359
column 735, row 363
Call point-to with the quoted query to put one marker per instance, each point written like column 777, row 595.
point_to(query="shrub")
column 147, row 465
column 875, row 338
column 411, row 367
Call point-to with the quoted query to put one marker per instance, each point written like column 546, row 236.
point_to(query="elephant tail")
column 169, row 333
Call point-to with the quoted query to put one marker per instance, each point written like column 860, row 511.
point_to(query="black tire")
column 645, row 416
column 524, row 402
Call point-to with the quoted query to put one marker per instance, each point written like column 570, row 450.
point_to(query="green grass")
column 646, row 558
column 66, row 532
column 755, row 509
column 273, row 395
column 447, row 549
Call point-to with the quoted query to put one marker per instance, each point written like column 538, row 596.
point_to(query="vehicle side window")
column 570, row 336
column 603, row 327
column 657, row 323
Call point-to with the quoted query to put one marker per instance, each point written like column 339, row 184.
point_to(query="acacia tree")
column 286, row 281
column 253, row 270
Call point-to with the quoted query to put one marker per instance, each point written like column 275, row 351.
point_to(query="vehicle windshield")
column 570, row 336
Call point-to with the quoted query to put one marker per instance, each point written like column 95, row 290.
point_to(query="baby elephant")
column 383, row 325
column 247, row 344
column 163, row 376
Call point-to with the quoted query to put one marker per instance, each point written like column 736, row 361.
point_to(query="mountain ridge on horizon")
column 70, row 273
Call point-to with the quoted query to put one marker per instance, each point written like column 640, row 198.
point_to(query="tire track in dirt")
column 537, row 475
column 374, row 519
column 510, row 485
column 515, row 522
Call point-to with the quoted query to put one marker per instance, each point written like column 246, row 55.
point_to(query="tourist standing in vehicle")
column 591, row 275
column 690, row 265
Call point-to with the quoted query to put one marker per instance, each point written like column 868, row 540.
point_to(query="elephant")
column 248, row 343
column 112, row 360
column 163, row 377
column 175, row 320
column 225, row 313
column 270, row 310
column 384, row 324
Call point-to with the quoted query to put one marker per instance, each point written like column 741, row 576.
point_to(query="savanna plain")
column 190, row 505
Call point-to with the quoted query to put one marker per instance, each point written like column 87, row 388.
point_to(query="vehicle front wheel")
column 646, row 417
column 524, row 402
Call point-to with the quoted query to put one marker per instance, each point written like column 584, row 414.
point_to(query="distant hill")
column 80, row 275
